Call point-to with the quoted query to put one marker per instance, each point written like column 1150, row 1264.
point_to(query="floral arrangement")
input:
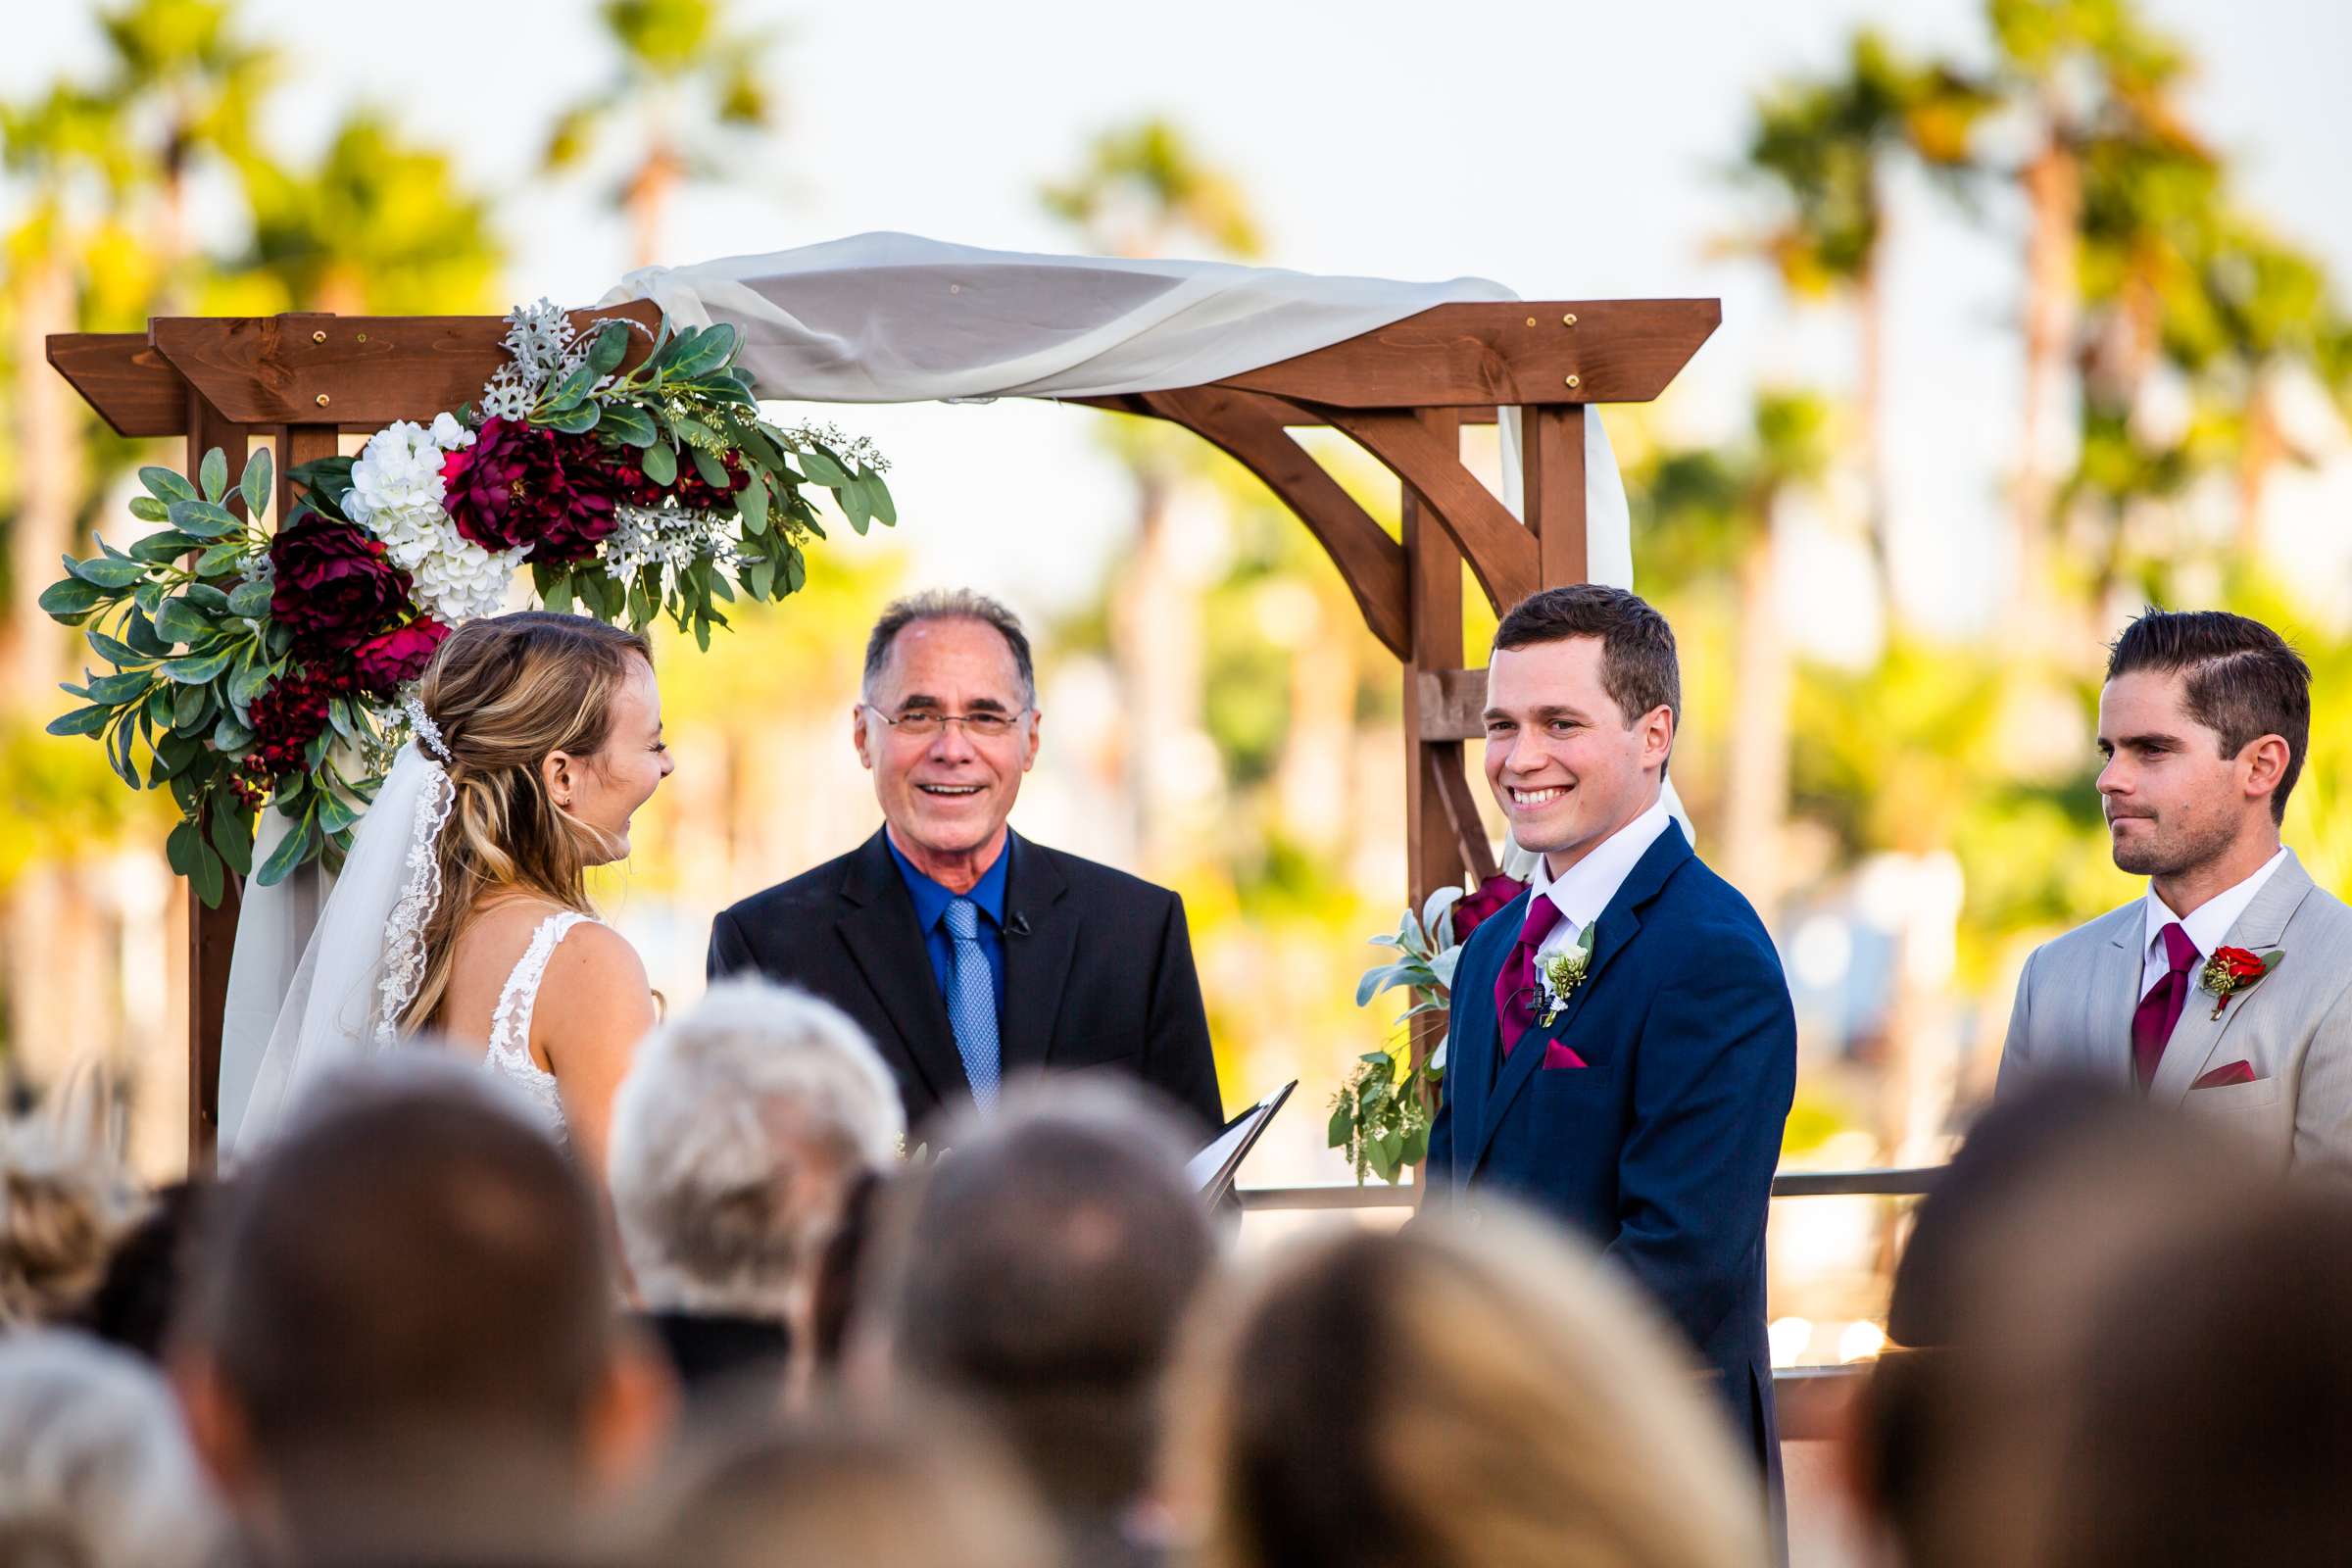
column 1381, row 1115
column 254, row 668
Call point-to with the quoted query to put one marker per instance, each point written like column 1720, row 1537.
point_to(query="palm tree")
column 689, row 85
column 1822, row 146
column 1144, row 189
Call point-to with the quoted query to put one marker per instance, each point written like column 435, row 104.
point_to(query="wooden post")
column 1553, row 466
column 1433, row 601
column 212, row 933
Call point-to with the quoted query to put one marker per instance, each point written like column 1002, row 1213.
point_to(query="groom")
column 964, row 950
column 1642, row 1102
column 2203, row 723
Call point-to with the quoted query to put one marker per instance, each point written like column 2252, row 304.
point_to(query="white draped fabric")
column 897, row 319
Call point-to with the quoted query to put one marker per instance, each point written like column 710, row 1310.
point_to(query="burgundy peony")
column 623, row 470
column 1473, row 908
column 523, row 484
column 382, row 664
column 285, row 718
column 335, row 589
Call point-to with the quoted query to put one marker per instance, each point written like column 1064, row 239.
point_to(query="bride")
column 462, row 912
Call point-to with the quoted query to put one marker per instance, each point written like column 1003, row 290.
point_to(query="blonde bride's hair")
column 505, row 692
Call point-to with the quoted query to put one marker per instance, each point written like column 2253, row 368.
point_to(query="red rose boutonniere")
column 2233, row 969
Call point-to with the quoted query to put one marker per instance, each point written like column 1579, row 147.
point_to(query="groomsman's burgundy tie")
column 1515, row 987
column 2153, row 1019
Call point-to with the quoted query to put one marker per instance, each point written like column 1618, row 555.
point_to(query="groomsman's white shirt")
column 1585, row 888
column 2206, row 928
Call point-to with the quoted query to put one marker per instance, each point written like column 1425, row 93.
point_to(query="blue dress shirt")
column 931, row 902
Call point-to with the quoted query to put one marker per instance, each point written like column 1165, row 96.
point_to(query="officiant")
column 967, row 952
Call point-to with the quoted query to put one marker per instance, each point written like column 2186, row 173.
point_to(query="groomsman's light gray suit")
column 2293, row 1030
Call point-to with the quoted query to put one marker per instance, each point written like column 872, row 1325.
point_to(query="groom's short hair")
column 949, row 603
column 1638, row 666
column 2241, row 680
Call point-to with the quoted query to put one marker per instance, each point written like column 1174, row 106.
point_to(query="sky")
column 1565, row 149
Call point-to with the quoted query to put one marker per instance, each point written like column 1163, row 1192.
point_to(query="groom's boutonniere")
column 1562, row 972
column 2233, row 969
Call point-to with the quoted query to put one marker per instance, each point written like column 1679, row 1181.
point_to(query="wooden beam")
column 1618, row 351
column 1247, row 426
column 122, row 376
column 1455, row 793
column 1502, row 553
column 1451, row 705
column 360, row 371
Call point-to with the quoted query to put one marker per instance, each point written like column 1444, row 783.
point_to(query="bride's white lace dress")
column 510, row 1055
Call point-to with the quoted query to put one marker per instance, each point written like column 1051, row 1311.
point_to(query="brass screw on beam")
column 1569, row 320
column 1531, row 320
column 321, row 398
column 318, row 337
column 363, row 337
column 1575, row 381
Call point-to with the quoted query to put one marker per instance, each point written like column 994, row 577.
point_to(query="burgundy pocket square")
column 1558, row 1056
column 2237, row 1072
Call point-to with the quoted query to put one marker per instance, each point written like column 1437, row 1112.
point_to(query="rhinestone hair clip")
column 428, row 733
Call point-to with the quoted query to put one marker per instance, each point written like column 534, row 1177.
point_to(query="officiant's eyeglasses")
column 923, row 721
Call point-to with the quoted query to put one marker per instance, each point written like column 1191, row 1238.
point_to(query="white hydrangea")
column 396, row 495
column 399, row 469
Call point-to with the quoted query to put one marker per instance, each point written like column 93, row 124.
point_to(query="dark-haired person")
column 1642, row 1102
column 2203, row 721
column 964, row 951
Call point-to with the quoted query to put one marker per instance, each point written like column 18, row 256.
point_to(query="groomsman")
column 1621, row 1050
column 2226, row 990
column 965, row 951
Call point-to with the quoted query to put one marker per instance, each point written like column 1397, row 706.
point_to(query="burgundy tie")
column 1515, row 987
column 2153, row 1019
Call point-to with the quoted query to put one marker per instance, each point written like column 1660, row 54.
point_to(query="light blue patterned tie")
column 972, row 1002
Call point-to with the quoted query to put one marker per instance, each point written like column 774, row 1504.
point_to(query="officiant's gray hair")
column 949, row 603
column 738, row 1130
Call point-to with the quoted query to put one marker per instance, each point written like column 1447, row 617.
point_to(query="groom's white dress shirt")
column 1585, row 888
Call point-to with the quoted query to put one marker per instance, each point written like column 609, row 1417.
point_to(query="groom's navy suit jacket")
column 1661, row 1148
column 1098, row 973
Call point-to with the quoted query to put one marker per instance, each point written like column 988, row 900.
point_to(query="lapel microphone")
column 1018, row 925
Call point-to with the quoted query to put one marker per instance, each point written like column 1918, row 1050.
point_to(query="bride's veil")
column 366, row 957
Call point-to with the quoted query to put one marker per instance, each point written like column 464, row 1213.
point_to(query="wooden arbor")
column 1403, row 393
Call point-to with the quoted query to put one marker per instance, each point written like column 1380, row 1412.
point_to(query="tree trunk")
column 2054, row 195
column 1756, row 768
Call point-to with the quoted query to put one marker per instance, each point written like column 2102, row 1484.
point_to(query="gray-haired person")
column 736, row 1138
column 966, row 950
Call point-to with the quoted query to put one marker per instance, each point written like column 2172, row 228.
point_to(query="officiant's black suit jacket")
column 1098, row 973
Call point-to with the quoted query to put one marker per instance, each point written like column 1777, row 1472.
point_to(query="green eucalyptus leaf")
column 752, row 502
column 228, row 735
column 113, row 650
column 796, row 570
column 823, row 468
column 166, row 484
column 139, row 632
column 879, row 499
column 715, row 473
column 573, row 387
column 232, row 832
column 116, row 690
column 705, row 352
column 219, row 560
column 203, row 519
column 106, row 572
column 196, row 670
column 192, row 709
column 165, row 545
column 612, row 346
column 181, row 848
column 251, row 676
column 208, row 877
column 854, row 506
column 70, row 599
column 660, row 464
column 251, row 598
column 256, row 484
column 147, row 509
column 627, row 423
column 212, row 475
column 182, row 622
column 159, row 706
column 208, row 598
column 578, row 420
column 81, row 720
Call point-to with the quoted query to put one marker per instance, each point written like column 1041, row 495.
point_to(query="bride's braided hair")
column 505, row 692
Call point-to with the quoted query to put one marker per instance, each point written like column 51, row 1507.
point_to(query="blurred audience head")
column 1448, row 1396
column 921, row 1494
column 2051, row 1200
column 95, row 1468
column 2209, row 1417
column 407, row 1299
column 736, row 1138
column 839, row 1268
column 1039, row 1273
column 140, row 1294
column 64, row 1200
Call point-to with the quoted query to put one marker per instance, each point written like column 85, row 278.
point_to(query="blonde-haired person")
column 461, row 911
column 1450, row 1395
column 64, row 1204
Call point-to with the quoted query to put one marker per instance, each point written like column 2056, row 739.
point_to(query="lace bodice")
column 509, row 1054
